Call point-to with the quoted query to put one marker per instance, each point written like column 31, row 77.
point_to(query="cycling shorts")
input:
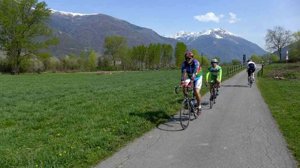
column 197, row 82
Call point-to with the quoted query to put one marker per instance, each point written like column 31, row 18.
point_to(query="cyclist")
column 251, row 66
column 191, row 74
column 214, row 75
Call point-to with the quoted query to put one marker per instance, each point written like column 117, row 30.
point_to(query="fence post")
column 227, row 72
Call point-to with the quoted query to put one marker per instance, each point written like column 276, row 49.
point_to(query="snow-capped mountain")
column 189, row 36
column 219, row 42
column 70, row 13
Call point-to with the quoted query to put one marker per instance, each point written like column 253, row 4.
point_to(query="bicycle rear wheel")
column 251, row 81
column 211, row 102
column 212, row 98
column 185, row 114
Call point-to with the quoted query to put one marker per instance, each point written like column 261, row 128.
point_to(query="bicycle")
column 213, row 94
column 251, row 79
column 188, row 106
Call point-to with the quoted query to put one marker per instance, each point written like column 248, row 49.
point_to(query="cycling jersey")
column 251, row 65
column 214, row 74
column 190, row 69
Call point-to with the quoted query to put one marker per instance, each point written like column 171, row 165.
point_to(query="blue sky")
column 249, row 19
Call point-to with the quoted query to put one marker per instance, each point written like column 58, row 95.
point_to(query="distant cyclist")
column 214, row 75
column 251, row 67
column 191, row 73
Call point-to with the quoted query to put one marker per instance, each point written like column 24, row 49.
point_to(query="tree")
column 236, row 62
column 180, row 50
column 21, row 23
column 154, row 52
column 274, row 58
column 92, row 61
column 277, row 39
column 256, row 58
column 139, row 54
column 45, row 58
column 196, row 54
column 126, row 58
column 167, row 53
column 114, row 46
column 295, row 48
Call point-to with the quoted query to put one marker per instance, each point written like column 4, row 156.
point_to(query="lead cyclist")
column 191, row 74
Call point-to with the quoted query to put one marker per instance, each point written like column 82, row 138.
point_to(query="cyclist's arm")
column 183, row 75
column 183, row 72
column 220, row 75
column 195, row 71
column 207, row 76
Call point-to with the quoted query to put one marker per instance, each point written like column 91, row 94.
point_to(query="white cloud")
column 209, row 17
column 233, row 18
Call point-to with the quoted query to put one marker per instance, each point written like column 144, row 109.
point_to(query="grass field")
column 282, row 97
column 76, row 120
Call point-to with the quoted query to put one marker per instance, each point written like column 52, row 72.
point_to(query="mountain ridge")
column 219, row 42
column 88, row 31
column 80, row 32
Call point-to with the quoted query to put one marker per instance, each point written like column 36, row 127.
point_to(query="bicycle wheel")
column 185, row 114
column 211, row 101
column 194, row 110
column 251, row 81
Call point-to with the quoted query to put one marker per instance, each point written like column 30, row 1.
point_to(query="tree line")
column 23, row 33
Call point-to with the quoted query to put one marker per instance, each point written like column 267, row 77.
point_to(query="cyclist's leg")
column 217, row 87
column 249, row 74
column 197, row 88
column 184, row 88
column 211, row 86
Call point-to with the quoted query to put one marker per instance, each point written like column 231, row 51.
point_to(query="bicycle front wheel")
column 185, row 114
column 212, row 98
column 211, row 102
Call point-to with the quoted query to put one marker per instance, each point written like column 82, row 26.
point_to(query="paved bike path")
column 239, row 132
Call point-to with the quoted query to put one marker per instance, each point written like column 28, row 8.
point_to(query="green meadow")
column 79, row 119
column 280, row 87
column 75, row 120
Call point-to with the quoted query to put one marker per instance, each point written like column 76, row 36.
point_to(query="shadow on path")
column 246, row 86
column 155, row 117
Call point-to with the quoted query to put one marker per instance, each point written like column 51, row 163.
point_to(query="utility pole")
column 287, row 56
column 244, row 59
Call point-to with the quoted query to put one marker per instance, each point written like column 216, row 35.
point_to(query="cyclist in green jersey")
column 214, row 75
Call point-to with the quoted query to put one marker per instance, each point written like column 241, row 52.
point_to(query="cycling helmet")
column 214, row 61
column 188, row 54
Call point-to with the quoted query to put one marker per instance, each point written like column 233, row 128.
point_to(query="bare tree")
column 277, row 39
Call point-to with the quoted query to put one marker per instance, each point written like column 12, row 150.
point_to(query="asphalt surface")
column 238, row 132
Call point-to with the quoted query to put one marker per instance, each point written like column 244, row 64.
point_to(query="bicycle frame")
column 188, row 106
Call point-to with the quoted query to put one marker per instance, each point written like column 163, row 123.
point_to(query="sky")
column 249, row 19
